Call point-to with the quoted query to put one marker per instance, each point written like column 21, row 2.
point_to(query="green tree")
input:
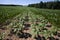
column 41, row 4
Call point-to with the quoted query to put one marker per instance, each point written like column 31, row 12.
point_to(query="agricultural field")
column 27, row 23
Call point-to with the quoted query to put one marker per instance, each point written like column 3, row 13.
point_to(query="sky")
column 21, row 2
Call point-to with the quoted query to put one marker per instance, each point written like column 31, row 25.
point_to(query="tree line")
column 9, row 5
column 49, row 5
